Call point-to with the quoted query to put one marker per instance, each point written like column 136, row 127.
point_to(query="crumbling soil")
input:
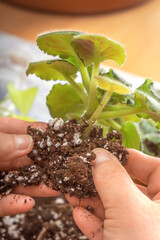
column 62, row 159
column 51, row 220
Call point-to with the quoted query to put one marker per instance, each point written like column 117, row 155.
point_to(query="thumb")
column 112, row 182
column 14, row 146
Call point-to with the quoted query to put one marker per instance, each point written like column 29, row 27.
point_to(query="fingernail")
column 22, row 141
column 101, row 156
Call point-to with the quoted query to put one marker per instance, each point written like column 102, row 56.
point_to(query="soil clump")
column 63, row 159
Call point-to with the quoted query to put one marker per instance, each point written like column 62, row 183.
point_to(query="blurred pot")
column 76, row 6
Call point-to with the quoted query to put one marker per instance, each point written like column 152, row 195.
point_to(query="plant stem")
column 78, row 89
column 84, row 74
column 98, row 111
column 121, row 113
column 44, row 231
column 92, row 91
column 114, row 124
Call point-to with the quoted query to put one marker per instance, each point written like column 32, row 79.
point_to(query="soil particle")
column 63, row 159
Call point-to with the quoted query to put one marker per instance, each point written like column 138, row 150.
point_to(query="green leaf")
column 158, row 125
column 23, row 99
column 107, row 83
column 131, row 138
column 151, row 101
column 153, row 137
column 113, row 75
column 57, row 43
column 98, row 48
column 63, row 100
column 131, row 118
column 52, row 70
column 25, row 118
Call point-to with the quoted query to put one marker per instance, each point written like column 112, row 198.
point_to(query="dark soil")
column 153, row 148
column 62, row 160
column 51, row 220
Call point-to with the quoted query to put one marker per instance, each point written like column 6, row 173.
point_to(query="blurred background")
column 134, row 23
column 136, row 26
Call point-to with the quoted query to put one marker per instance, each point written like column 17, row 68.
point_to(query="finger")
column 94, row 203
column 14, row 146
column 89, row 224
column 112, row 182
column 141, row 166
column 144, row 190
column 36, row 191
column 15, row 204
column 17, row 126
column 16, row 163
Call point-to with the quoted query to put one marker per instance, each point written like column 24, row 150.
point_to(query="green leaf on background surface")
column 57, row 43
column 25, row 118
column 63, row 100
column 52, row 70
column 106, row 83
column 23, row 99
column 145, row 93
column 131, row 138
column 93, row 48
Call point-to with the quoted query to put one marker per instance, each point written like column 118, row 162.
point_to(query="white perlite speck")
column 41, row 143
column 34, row 151
column 59, row 223
column 60, row 135
column 88, row 154
column 49, row 143
column 52, row 121
column 65, row 144
column 66, row 179
column 76, row 138
column 58, row 123
column 57, row 144
column 114, row 131
column 39, row 159
column 59, row 200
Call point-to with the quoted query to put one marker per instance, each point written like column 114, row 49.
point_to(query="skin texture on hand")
column 15, row 144
column 128, row 211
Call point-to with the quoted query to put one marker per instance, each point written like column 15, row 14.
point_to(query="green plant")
column 22, row 100
column 102, row 97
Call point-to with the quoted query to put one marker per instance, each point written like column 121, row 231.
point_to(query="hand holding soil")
column 14, row 145
column 131, row 211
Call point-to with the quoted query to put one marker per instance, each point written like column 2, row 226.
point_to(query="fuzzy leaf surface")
column 145, row 93
column 93, row 48
column 52, row 70
column 57, row 43
column 106, row 83
column 23, row 99
column 63, row 100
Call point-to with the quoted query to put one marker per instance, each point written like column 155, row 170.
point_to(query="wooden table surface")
column 138, row 28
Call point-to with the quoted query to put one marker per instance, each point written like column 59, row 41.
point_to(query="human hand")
column 15, row 144
column 130, row 211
